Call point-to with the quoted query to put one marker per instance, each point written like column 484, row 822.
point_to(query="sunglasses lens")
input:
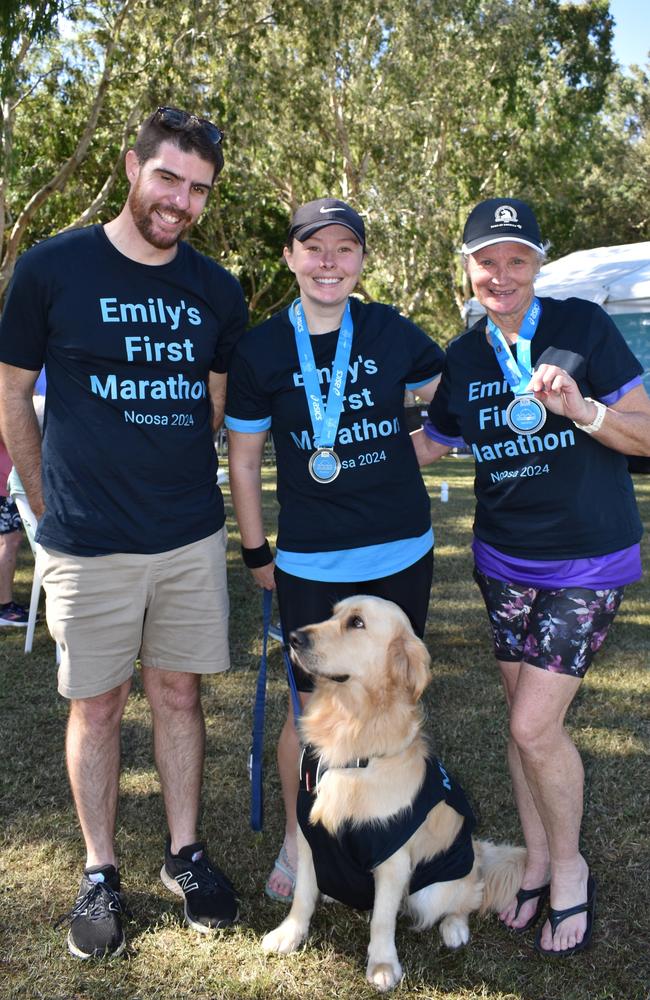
column 175, row 118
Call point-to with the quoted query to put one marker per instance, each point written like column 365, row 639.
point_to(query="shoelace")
column 96, row 903
column 209, row 879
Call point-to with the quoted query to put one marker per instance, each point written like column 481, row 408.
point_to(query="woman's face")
column 502, row 277
column 327, row 265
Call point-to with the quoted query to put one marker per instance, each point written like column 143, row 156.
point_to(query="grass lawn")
column 41, row 852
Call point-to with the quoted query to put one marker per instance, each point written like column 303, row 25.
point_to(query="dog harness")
column 344, row 863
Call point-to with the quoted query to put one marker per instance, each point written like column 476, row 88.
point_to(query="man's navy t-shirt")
column 128, row 458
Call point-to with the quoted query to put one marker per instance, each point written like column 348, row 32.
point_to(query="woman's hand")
column 559, row 393
column 263, row 576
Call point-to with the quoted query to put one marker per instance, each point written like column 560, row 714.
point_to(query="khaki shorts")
column 169, row 609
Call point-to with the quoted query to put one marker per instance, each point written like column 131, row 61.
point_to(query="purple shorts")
column 556, row 630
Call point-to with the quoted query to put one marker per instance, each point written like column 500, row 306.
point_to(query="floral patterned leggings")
column 557, row 630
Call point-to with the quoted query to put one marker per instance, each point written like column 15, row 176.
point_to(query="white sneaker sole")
column 78, row 953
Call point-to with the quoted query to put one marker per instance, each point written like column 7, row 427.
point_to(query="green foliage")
column 412, row 112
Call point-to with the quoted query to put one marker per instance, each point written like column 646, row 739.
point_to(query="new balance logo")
column 186, row 883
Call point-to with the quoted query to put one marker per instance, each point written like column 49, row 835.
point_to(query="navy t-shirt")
column 379, row 495
column 129, row 463
column 558, row 493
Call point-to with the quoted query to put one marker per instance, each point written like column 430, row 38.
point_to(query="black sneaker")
column 95, row 919
column 14, row 615
column 210, row 899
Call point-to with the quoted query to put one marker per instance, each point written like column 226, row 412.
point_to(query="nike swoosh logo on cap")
column 322, row 209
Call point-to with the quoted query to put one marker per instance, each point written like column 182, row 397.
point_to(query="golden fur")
column 370, row 671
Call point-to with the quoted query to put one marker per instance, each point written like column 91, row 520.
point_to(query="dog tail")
column 502, row 869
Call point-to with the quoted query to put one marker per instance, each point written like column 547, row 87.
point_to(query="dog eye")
column 356, row 622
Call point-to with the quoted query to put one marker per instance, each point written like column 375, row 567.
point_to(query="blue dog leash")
column 257, row 749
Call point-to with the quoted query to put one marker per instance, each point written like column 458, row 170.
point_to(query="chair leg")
column 33, row 611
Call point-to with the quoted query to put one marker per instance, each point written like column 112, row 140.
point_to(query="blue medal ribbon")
column 517, row 373
column 325, row 422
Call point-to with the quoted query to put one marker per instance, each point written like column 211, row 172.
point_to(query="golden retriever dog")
column 375, row 801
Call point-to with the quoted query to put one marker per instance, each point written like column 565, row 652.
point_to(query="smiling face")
column 502, row 277
column 168, row 193
column 327, row 266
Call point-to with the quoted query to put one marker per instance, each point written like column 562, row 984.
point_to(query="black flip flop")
column 557, row 916
column 541, row 894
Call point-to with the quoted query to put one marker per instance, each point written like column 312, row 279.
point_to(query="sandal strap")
column 524, row 895
column 557, row 916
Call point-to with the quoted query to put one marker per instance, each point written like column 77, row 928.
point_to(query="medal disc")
column 324, row 465
column 525, row 414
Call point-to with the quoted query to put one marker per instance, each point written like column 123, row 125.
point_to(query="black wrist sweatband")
column 261, row 556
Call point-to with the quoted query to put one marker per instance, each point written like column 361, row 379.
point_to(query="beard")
column 143, row 212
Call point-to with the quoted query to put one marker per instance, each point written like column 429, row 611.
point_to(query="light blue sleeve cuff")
column 417, row 385
column 247, row 426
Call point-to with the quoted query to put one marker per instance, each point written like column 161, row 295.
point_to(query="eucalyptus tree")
column 411, row 110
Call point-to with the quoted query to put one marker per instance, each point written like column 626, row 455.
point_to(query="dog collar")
column 313, row 767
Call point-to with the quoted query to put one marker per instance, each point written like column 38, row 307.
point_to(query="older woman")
column 327, row 376
column 549, row 397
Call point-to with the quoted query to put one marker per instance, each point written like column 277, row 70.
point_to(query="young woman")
column 327, row 377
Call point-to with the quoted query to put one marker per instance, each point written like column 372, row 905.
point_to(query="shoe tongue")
column 193, row 852
column 100, row 873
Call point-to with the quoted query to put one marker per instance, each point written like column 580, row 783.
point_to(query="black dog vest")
column 344, row 863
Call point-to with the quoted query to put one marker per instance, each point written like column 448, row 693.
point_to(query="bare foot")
column 568, row 888
column 535, row 877
column 281, row 882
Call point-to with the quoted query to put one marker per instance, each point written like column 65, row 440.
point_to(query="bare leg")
column 179, row 746
column 553, row 770
column 9, row 545
column 93, row 758
column 536, row 873
column 288, row 756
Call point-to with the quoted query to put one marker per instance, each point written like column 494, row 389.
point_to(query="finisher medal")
column 525, row 414
column 324, row 465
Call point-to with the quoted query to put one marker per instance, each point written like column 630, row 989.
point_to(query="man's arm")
column 20, row 430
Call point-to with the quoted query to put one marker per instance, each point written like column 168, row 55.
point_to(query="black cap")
column 309, row 218
column 501, row 220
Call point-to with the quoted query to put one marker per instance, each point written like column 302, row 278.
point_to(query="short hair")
column 190, row 133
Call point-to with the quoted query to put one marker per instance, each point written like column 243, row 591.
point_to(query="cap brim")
column 491, row 240
column 303, row 233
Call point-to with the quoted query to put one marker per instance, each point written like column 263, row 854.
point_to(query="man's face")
column 168, row 193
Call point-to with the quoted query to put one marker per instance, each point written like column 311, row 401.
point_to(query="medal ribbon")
column 325, row 422
column 517, row 373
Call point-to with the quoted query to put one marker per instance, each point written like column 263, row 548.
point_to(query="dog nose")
column 298, row 639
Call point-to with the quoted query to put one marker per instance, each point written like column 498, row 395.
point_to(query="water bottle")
column 444, row 492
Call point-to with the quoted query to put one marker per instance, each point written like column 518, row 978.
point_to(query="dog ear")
column 409, row 661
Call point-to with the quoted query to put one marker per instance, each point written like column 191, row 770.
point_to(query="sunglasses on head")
column 176, row 119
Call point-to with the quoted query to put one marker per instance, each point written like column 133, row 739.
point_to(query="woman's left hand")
column 559, row 393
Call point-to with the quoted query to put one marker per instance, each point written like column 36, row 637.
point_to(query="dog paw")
column 454, row 931
column 384, row 975
column 284, row 939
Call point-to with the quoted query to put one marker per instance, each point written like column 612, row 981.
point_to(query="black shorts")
column 304, row 602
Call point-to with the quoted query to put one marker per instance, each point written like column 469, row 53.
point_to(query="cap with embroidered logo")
column 501, row 220
column 315, row 215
